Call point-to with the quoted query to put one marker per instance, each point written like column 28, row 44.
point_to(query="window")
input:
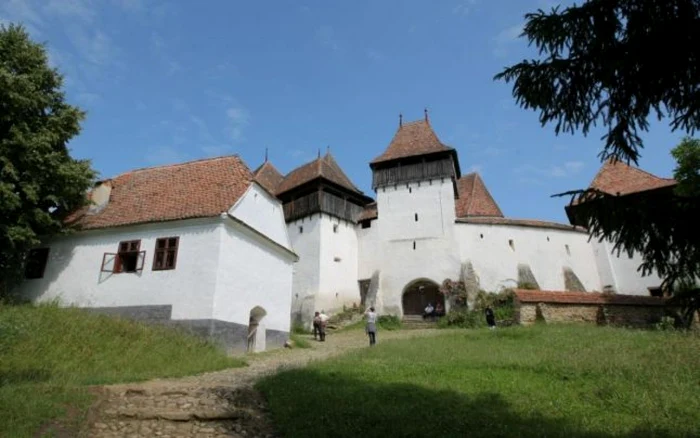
column 656, row 292
column 568, row 251
column 301, row 230
column 335, row 228
column 416, row 217
column 414, row 244
column 165, row 254
column 128, row 258
column 36, row 263
column 366, row 223
column 511, row 244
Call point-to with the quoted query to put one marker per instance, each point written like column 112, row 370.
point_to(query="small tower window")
column 568, row 251
column 511, row 244
column 301, row 230
column 416, row 217
column 481, row 235
column 409, row 190
column 335, row 228
column 414, row 244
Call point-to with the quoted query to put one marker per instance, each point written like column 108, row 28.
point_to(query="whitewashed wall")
column 307, row 245
column 338, row 284
column 544, row 250
column 622, row 271
column 261, row 211
column 73, row 271
column 369, row 250
column 252, row 272
column 436, row 253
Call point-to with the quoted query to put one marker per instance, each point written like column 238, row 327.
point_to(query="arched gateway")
column 418, row 293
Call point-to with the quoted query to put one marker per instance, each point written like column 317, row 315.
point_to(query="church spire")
column 425, row 111
column 266, row 155
column 400, row 120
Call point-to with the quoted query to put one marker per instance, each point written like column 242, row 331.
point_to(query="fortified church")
column 229, row 253
column 430, row 223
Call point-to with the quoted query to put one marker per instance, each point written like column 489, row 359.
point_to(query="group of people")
column 321, row 320
column 433, row 312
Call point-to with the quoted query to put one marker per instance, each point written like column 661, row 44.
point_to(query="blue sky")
column 170, row 81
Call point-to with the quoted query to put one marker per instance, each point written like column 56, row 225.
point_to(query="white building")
column 199, row 245
column 429, row 223
column 204, row 244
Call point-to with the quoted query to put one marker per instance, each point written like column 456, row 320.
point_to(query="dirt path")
column 217, row 404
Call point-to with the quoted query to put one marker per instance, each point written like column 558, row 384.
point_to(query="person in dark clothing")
column 318, row 327
column 490, row 318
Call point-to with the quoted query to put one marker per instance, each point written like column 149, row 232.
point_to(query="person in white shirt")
column 371, row 327
column 428, row 311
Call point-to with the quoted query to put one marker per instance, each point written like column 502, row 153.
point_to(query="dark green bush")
column 389, row 322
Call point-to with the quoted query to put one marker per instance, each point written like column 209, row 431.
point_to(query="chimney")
column 99, row 196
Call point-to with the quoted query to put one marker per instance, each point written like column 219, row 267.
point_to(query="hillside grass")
column 49, row 356
column 572, row 381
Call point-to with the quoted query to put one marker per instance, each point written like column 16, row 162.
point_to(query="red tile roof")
column 519, row 222
column 411, row 139
column 474, row 198
column 268, row 176
column 618, row 178
column 202, row 188
column 562, row 297
column 323, row 167
column 370, row 212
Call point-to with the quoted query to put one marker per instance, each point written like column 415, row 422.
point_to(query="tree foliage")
column 615, row 62
column 618, row 63
column 39, row 181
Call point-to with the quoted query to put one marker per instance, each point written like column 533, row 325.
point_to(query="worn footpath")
column 217, row 404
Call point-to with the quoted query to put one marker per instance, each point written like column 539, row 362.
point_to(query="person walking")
column 318, row 331
column 371, row 327
column 490, row 318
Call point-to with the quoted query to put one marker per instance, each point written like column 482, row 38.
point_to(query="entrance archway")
column 418, row 293
column 256, row 330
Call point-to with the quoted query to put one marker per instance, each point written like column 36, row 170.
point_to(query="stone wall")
column 565, row 307
column 622, row 315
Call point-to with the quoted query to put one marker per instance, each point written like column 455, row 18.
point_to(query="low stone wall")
column 595, row 308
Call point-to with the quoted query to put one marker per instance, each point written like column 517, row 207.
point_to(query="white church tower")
column 414, row 246
column 321, row 207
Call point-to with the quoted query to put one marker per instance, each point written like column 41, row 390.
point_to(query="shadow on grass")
column 307, row 402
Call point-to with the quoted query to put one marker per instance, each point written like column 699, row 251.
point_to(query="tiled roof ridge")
column 186, row 163
column 266, row 163
column 613, row 161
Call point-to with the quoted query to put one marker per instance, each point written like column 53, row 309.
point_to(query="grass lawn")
column 49, row 355
column 572, row 381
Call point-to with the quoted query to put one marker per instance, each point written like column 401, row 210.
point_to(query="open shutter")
column 108, row 262
column 140, row 261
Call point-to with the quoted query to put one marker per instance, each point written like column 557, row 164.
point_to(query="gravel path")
column 217, row 404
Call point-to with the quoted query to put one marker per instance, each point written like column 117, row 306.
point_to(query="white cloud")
column 464, row 7
column 238, row 118
column 217, row 150
column 505, row 39
column 160, row 155
column 179, row 104
column 564, row 170
column 94, row 46
column 20, row 11
column 136, row 6
column 326, row 37
column 375, row 55
column 72, row 9
column 89, row 98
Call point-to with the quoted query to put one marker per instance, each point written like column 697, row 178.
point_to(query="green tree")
column 39, row 181
column 617, row 63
